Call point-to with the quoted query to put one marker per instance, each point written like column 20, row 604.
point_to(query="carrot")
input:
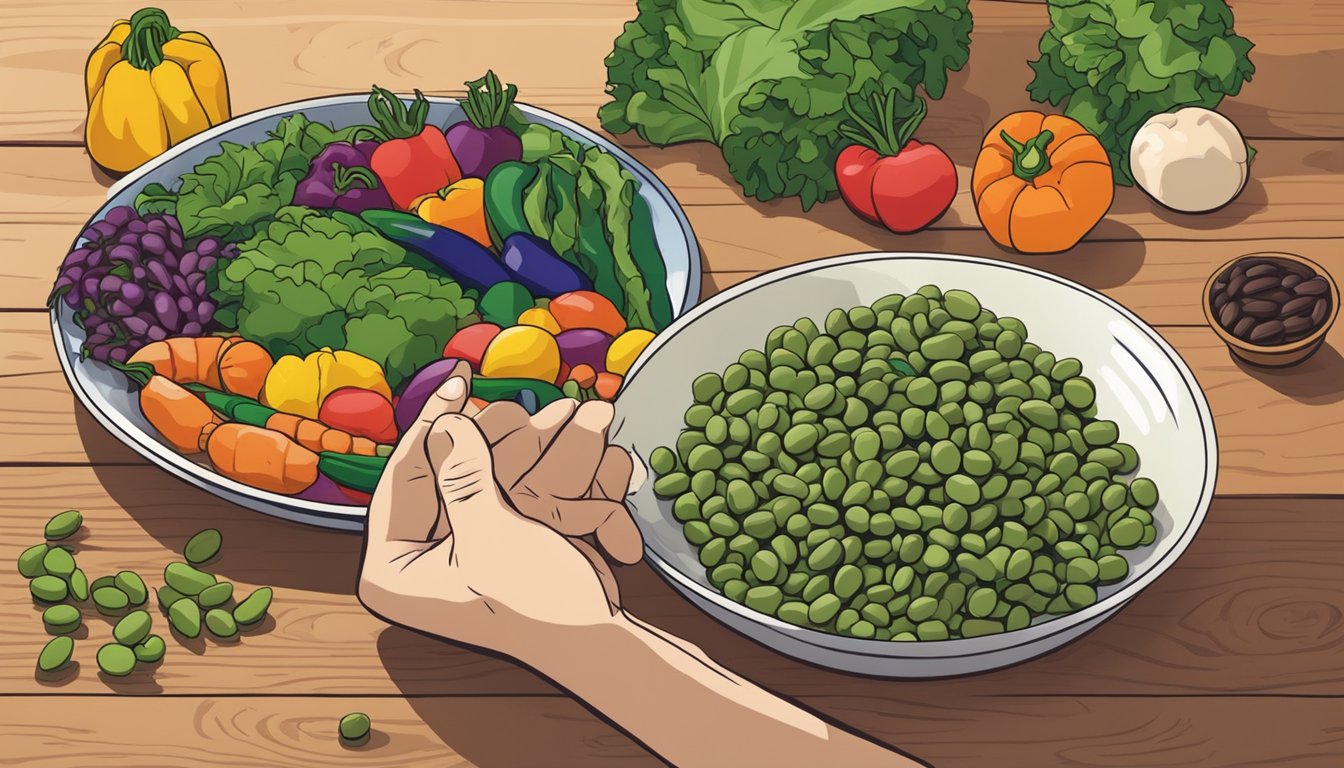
column 583, row 375
column 261, row 458
column 243, row 366
column 608, row 384
column 316, row 436
column 231, row 364
column 181, row 417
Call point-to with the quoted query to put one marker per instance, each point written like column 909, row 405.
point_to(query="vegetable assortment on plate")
column 286, row 308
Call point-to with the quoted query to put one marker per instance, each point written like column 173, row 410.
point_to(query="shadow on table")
column 1317, row 381
column 258, row 549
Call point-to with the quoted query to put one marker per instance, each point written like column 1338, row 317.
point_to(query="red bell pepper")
column 416, row 159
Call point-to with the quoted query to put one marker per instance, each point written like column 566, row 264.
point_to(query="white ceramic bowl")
column 1142, row 385
column 108, row 395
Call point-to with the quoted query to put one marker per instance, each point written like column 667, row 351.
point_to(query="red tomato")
column 563, row 375
column 586, row 309
column 469, row 343
column 893, row 180
column 360, row 412
column 359, row 497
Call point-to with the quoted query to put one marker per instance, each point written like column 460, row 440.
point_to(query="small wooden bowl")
column 1280, row 355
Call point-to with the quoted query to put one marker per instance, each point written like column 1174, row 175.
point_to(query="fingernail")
column 455, row 388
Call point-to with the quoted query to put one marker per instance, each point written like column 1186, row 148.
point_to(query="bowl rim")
column 323, row 514
column 1278, row 350
column 961, row 647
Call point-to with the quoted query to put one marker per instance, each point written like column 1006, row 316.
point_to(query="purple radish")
column 339, row 177
column 483, row 142
column 579, row 346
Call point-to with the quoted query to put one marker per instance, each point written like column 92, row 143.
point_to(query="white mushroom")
column 1190, row 160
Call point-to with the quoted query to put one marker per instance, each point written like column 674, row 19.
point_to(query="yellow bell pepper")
column 150, row 86
column 460, row 206
column 299, row 385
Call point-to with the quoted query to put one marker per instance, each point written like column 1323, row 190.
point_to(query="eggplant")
column 339, row 177
column 584, row 346
column 422, row 386
column 462, row 258
column 530, row 261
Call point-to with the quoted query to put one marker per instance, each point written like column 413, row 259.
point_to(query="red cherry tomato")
column 893, row 180
column 469, row 343
column 360, row 412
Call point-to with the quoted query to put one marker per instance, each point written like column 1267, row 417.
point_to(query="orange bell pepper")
column 459, row 206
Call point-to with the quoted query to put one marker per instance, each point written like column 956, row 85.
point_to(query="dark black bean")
column 1228, row 315
column 1297, row 327
column 1227, row 274
column 1219, row 286
column 1219, row 300
column 1239, row 269
column 1298, row 306
column 1319, row 312
column 1268, row 332
column 1301, row 270
column 1316, row 286
column 1290, row 280
column 1234, row 286
column 1278, row 295
column 1243, row 327
column 1259, row 308
column 1260, row 270
column 1259, row 284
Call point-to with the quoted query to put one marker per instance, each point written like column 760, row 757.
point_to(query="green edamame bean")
column 215, row 595
column 64, row 525
column 662, row 460
column 669, row 486
column 61, row 619
column 30, row 561
column 253, row 608
column 56, row 653
column 1144, row 492
column 203, row 546
column 58, row 562
column 132, row 585
column 48, row 589
column 185, row 618
column 133, row 628
column 150, row 650
column 221, row 623
column 190, row 581
column 116, row 660
column 79, row 585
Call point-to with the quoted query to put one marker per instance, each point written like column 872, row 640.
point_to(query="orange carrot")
column 316, row 436
column 243, row 366
column 183, row 419
column 261, row 458
column 608, row 384
column 583, row 375
column 229, row 364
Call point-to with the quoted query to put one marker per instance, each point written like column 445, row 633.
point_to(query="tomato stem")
column 1029, row 157
column 888, row 136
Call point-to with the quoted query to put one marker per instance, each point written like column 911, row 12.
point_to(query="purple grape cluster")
column 134, row 280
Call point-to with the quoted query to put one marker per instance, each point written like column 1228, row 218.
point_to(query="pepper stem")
column 392, row 115
column 487, row 108
column 1029, row 158
column 887, row 136
column 346, row 176
column 150, row 29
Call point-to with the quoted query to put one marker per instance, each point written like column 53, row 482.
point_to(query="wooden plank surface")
column 74, row 732
column 320, row 47
column 1275, row 428
column 1252, row 607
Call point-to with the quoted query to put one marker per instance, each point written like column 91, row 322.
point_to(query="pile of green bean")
column 915, row 470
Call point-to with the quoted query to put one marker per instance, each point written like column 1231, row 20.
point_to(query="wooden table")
column 1234, row 657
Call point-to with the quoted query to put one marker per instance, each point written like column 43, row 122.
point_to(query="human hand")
column 476, row 530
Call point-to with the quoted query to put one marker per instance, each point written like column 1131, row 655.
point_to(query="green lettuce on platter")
column 308, row 280
column 766, row 80
column 1116, row 63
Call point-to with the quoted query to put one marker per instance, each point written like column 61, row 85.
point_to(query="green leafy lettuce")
column 766, row 80
column 230, row 194
column 1119, row 62
column 308, row 280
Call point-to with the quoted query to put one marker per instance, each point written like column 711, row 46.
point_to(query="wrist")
column 575, row 654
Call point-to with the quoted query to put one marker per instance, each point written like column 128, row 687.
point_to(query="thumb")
column 460, row 458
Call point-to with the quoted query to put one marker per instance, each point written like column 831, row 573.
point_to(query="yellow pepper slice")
column 460, row 206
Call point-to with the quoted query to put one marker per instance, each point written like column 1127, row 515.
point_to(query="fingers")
column 518, row 452
column 566, row 469
column 620, row 538
column 461, row 458
column 613, row 474
column 502, row 419
column 571, row 517
column 405, row 505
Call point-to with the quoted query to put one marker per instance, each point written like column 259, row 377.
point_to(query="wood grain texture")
column 76, row 731
column 1276, row 429
column 322, row 47
column 1252, row 608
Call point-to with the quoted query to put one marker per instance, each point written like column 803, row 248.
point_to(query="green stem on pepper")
column 1029, row 158
column 392, row 115
column 150, row 29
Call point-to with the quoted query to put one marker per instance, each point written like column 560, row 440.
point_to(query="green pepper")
column 504, row 189
column 360, row 473
column 491, row 390
column 644, row 245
